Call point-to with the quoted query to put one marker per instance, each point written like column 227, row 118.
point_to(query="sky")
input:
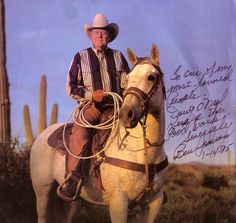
column 43, row 36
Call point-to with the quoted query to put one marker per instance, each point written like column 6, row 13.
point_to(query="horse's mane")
column 143, row 60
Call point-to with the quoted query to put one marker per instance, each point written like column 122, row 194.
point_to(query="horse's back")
column 42, row 158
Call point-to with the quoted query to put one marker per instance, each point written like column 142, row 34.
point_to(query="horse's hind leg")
column 42, row 198
column 118, row 207
column 41, row 172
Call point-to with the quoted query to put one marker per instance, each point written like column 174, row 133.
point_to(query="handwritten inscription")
column 198, row 116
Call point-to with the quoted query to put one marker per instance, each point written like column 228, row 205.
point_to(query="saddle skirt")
column 55, row 140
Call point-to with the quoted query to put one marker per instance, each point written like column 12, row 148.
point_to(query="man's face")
column 100, row 38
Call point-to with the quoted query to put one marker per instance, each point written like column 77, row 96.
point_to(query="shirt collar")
column 98, row 51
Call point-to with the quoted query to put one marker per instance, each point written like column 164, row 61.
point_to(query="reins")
column 144, row 126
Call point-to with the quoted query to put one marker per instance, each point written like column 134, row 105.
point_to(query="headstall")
column 143, row 97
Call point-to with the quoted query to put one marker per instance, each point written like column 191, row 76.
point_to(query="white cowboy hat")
column 100, row 22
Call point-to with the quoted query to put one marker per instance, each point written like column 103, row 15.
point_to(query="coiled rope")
column 112, row 123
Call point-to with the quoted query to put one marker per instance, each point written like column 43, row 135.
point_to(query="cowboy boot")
column 79, row 140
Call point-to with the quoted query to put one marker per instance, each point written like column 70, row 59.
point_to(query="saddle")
column 55, row 140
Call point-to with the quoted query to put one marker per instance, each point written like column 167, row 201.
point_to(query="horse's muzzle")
column 128, row 117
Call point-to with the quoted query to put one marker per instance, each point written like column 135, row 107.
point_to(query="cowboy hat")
column 100, row 22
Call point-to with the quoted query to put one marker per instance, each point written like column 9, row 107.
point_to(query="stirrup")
column 60, row 187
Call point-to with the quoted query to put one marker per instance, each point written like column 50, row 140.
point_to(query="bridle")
column 143, row 99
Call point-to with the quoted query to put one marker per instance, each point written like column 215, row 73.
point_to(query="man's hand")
column 98, row 95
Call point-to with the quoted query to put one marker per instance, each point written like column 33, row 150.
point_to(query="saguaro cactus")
column 54, row 114
column 28, row 129
column 42, row 114
column 5, row 128
column 42, row 105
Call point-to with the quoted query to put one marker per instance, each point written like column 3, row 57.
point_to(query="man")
column 93, row 72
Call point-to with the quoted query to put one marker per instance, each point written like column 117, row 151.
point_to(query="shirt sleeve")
column 125, row 65
column 125, row 71
column 74, row 84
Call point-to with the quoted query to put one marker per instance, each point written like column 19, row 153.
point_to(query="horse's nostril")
column 130, row 114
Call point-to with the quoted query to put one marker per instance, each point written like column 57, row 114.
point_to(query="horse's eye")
column 151, row 78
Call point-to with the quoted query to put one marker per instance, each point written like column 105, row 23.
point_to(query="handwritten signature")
column 200, row 120
column 198, row 142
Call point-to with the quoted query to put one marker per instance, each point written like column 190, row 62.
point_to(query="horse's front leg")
column 154, row 207
column 73, row 208
column 118, row 207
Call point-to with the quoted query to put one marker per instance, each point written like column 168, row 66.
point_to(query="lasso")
column 112, row 123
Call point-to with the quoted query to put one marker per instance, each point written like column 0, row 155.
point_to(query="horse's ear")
column 132, row 57
column 154, row 54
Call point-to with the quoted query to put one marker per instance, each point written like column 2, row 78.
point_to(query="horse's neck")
column 132, row 146
column 156, row 126
column 155, row 135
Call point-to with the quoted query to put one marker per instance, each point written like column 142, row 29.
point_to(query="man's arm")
column 75, row 86
column 125, row 71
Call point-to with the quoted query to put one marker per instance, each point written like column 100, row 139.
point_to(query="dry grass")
column 196, row 193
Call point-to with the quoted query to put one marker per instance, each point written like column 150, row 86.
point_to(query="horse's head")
column 145, row 90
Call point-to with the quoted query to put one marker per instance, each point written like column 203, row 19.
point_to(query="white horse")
column 134, row 167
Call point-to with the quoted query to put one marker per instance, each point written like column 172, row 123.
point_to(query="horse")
column 135, row 164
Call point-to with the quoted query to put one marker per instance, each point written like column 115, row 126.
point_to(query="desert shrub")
column 182, row 175
column 16, row 193
column 91, row 213
column 214, row 182
column 197, row 203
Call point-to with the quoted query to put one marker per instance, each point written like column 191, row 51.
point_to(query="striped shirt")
column 92, row 70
